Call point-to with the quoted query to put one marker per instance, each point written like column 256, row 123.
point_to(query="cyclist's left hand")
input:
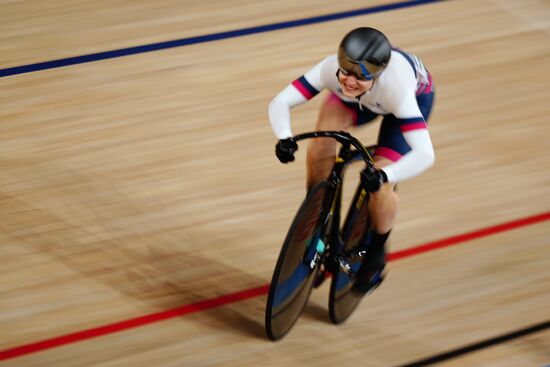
column 372, row 179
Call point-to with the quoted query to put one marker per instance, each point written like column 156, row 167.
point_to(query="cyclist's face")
column 351, row 85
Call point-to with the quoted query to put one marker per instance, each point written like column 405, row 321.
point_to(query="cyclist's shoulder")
column 329, row 65
column 398, row 77
column 323, row 74
column 399, row 67
column 332, row 59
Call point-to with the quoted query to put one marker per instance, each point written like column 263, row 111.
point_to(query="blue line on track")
column 206, row 38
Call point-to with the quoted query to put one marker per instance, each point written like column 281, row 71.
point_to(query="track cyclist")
column 366, row 78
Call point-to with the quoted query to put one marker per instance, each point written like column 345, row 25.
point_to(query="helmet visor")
column 362, row 70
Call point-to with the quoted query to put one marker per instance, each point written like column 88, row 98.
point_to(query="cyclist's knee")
column 320, row 149
column 319, row 165
column 383, row 206
column 386, row 192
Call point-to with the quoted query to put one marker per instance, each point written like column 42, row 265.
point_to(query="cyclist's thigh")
column 359, row 115
column 335, row 115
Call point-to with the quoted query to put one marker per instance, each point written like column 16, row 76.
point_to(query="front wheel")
column 297, row 265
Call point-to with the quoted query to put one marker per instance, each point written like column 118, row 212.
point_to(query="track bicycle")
column 316, row 243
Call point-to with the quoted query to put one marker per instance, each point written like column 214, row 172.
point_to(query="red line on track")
column 450, row 241
column 247, row 293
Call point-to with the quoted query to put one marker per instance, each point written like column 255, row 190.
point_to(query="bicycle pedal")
column 337, row 264
column 344, row 266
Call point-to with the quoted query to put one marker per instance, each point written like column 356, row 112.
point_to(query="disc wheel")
column 342, row 299
column 297, row 265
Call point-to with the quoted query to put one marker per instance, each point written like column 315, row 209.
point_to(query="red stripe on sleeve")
column 302, row 89
column 414, row 126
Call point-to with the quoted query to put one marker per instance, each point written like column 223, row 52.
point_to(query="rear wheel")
column 297, row 265
column 342, row 299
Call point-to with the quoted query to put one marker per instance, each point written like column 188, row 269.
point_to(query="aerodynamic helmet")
column 364, row 52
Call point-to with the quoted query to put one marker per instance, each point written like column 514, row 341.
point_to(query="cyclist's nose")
column 350, row 81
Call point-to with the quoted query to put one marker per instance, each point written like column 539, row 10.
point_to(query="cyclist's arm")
column 299, row 91
column 420, row 158
column 279, row 110
column 415, row 131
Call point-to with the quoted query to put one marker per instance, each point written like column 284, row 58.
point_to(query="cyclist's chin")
column 351, row 93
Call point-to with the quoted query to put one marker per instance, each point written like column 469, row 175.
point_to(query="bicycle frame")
column 313, row 240
column 333, row 199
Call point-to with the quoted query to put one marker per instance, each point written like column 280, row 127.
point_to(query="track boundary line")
column 128, row 51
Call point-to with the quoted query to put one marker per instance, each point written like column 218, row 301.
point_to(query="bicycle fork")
column 320, row 246
column 318, row 256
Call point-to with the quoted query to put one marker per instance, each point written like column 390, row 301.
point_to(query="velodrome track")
column 143, row 208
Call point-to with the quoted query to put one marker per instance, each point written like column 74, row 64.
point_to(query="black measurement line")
column 479, row 345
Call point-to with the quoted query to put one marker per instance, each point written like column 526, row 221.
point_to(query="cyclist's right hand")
column 285, row 149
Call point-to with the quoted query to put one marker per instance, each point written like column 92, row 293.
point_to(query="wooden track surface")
column 139, row 184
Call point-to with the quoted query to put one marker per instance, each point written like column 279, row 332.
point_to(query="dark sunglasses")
column 363, row 78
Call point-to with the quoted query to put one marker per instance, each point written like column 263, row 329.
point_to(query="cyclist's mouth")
column 349, row 89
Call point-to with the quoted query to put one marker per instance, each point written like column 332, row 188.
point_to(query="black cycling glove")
column 285, row 149
column 373, row 179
